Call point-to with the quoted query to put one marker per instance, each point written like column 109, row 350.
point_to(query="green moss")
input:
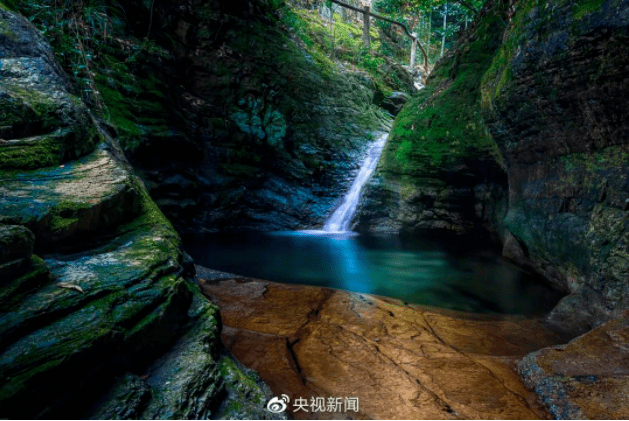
column 584, row 8
column 599, row 160
column 32, row 155
column 443, row 123
column 13, row 293
column 54, row 129
column 150, row 213
column 18, row 384
column 134, row 105
column 234, row 375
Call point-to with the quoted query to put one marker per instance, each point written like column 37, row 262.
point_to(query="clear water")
column 451, row 275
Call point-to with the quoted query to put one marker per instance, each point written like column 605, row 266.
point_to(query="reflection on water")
column 417, row 271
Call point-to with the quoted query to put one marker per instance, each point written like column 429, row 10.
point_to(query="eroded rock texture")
column 586, row 379
column 522, row 132
column 401, row 361
column 549, row 87
column 92, row 276
column 555, row 101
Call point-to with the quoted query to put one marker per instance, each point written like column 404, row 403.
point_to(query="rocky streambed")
column 401, row 361
column 414, row 362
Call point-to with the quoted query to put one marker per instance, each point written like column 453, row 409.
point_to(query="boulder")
column 394, row 102
column 587, row 378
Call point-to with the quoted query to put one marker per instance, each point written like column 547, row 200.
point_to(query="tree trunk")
column 445, row 26
column 413, row 50
column 366, row 17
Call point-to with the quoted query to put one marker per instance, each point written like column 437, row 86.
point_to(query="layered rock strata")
column 93, row 280
column 555, row 102
column 441, row 170
column 549, row 90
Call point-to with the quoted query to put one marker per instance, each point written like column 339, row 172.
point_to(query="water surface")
column 444, row 274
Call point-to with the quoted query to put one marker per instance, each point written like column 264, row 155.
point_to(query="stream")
column 449, row 274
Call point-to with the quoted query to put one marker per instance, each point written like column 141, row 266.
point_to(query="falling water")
column 340, row 219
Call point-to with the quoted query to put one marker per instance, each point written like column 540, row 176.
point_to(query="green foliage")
column 76, row 29
column 337, row 40
column 443, row 123
column 106, row 63
column 425, row 17
column 582, row 9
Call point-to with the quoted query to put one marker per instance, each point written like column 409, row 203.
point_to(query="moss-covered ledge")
column 109, row 289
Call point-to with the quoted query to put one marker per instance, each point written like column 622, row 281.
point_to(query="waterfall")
column 342, row 216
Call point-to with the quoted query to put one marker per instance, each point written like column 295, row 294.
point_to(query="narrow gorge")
column 209, row 206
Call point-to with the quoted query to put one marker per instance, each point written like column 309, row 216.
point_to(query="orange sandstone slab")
column 401, row 361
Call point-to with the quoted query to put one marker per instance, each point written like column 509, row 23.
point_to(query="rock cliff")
column 441, row 170
column 554, row 100
column 232, row 122
column 522, row 131
column 93, row 280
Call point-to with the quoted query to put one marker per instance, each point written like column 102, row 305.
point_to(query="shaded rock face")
column 521, row 132
column 555, row 102
column 392, row 103
column 464, row 199
column 93, row 280
column 552, row 96
column 262, row 135
column 16, row 250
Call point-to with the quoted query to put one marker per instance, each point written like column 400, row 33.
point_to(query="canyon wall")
column 555, row 101
column 239, row 125
column 548, row 93
column 441, row 169
column 97, row 298
column 522, row 132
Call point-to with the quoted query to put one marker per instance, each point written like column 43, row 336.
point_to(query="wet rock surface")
column 394, row 102
column 193, row 379
column 401, row 361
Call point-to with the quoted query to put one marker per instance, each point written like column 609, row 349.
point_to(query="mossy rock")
column 16, row 242
column 81, row 197
column 441, row 168
column 118, row 305
column 41, row 122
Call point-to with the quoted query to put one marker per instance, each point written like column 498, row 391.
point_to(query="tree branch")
column 356, row 9
column 468, row 6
